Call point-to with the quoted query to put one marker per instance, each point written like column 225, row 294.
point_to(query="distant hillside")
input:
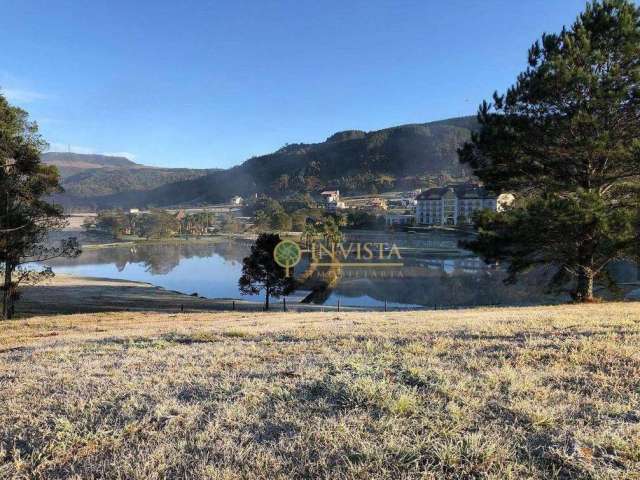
column 94, row 183
column 85, row 177
column 353, row 161
column 71, row 163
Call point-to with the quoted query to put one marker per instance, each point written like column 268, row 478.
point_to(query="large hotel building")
column 455, row 204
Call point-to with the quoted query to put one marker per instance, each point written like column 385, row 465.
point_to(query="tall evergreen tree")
column 566, row 140
column 26, row 217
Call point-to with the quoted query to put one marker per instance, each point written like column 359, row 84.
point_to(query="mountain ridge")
column 69, row 163
column 351, row 160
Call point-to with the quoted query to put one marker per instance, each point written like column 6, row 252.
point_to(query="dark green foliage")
column 542, row 230
column 117, row 223
column 154, row 224
column 270, row 215
column 566, row 140
column 158, row 224
column 26, row 218
column 260, row 272
column 353, row 162
column 365, row 220
column 229, row 224
column 100, row 182
column 198, row 223
column 93, row 181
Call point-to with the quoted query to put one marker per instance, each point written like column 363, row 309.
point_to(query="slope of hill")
column 107, row 181
column 72, row 163
column 85, row 177
column 353, row 161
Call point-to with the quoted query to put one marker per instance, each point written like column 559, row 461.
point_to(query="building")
column 377, row 203
column 332, row 201
column 237, row 200
column 392, row 219
column 333, row 207
column 181, row 215
column 331, row 196
column 455, row 204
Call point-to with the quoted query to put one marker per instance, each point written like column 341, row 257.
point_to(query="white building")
column 331, row 196
column 237, row 200
column 332, row 201
column 455, row 205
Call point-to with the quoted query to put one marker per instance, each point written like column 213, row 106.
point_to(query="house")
column 180, row 215
column 378, row 203
column 456, row 204
column 331, row 196
column 237, row 200
column 134, row 211
column 332, row 201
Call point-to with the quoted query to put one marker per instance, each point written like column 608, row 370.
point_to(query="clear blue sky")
column 210, row 83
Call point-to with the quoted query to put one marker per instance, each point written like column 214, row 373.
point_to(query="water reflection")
column 435, row 275
column 158, row 258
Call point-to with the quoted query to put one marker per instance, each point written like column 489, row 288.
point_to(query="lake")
column 435, row 276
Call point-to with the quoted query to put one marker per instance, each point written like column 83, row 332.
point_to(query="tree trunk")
column 266, row 300
column 584, row 288
column 6, row 292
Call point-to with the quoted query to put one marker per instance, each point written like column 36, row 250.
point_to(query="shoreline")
column 72, row 294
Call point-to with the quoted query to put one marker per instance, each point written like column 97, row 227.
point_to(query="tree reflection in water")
column 428, row 280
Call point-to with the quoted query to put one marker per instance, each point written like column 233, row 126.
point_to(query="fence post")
column 233, row 305
column 182, row 308
column 284, row 304
column 385, row 304
column 338, row 304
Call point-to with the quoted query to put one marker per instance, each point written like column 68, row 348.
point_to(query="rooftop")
column 467, row 190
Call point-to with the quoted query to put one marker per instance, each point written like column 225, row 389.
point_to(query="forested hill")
column 71, row 163
column 352, row 161
column 86, row 177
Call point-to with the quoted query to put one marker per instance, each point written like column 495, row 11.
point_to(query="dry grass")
column 549, row 392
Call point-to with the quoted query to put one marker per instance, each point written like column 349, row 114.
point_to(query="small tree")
column 309, row 234
column 260, row 272
column 158, row 224
column 229, row 224
column 26, row 219
column 566, row 139
column 331, row 230
column 113, row 222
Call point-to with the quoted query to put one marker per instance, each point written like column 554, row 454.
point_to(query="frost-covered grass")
column 550, row 392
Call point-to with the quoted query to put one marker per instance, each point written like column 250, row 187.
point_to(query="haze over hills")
column 353, row 161
column 71, row 163
column 85, row 176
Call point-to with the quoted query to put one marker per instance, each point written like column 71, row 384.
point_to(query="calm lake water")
column 432, row 274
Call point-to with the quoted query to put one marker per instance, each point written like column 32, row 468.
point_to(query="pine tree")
column 261, row 272
column 566, row 140
column 26, row 218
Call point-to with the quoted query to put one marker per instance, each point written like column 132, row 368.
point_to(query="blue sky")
column 209, row 83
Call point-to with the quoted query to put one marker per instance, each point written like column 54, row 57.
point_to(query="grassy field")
column 551, row 392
